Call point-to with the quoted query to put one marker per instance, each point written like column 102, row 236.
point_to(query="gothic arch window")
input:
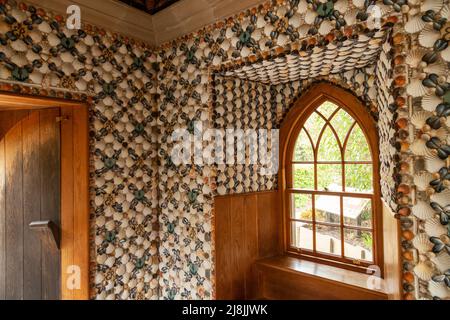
column 330, row 180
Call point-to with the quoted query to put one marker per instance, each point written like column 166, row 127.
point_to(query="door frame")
column 74, row 187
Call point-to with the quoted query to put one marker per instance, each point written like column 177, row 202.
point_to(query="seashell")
column 325, row 27
column 35, row 36
column 443, row 198
column 422, row 243
column 19, row 59
column 18, row 14
column 430, row 102
column 428, row 36
column 44, row 27
column 419, row 119
column 419, row 148
column 414, row 57
column 4, row 73
column 442, row 262
column 416, row 88
column 36, row 77
column 302, row 7
column 423, row 210
column 435, row 5
column 19, row 46
column 434, row 228
column 358, row 3
column 422, row 180
column 433, row 163
column 310, row 17
column 445, row 54
column 424, row 270
column 438, row 289
column 341, row 5
column 415, row 24
column 53, row 40
column 438, row 68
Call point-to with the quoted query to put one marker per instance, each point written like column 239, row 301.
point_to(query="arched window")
column 330, row 180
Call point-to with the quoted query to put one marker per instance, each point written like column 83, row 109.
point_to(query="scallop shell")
column 445, row 13
column 4, row 73
column 415, row 24
column 414, row 57
column 419, row 148
column 428, row 37
column 435, row 5
column 419, row 119
column 439, row 68
column 442, row 262
column 430, row 102
column 423, row 210
column 422, row 180
column 445, row 54
column 434, row 228
column 433, row 163
column 438, row 289
column 358, row 3
column 416, row 88
column 443, row 198
column 424, row 270
column 422, row 243
column 19, row 45
column 19, row 59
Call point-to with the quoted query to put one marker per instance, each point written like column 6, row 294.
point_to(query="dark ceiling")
column 149, row 6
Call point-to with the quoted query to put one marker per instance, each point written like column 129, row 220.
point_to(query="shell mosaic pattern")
column 151, row 220
column 319, row 61
column 115, row 76
column 425, row 178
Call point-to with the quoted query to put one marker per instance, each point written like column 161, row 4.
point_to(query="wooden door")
column 29, row 191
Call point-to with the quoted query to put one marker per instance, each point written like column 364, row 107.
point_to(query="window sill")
column 313, row 270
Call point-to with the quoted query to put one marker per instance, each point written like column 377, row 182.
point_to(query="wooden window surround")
column 74, row 187
column 293, row 124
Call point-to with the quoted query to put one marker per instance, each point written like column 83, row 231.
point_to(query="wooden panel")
column 392, row 254
column 285, row 284
column 50, row 197
column 2, row 221
column 269, row 224
column 81, row 199
column 14, row 214
column 223, row 223
column 67, row 203
column 74, row 189
column 31, row 207
column 238, row 240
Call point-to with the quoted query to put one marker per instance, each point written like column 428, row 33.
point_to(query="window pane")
column 328, row 208
column 303, row 176
column 357, row 148
column 328, row 147
column 329, row 177
column 327, row 108
column 303, row 150
column 358, row 245
column 314, row 125
column 342, row 123
column 358, row 177
column 357, row 212
column 301, row 206
column 301, row 235
column 328, row 239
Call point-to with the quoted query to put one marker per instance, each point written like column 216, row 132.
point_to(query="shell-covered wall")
column 115, row 75
column 151, row 219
